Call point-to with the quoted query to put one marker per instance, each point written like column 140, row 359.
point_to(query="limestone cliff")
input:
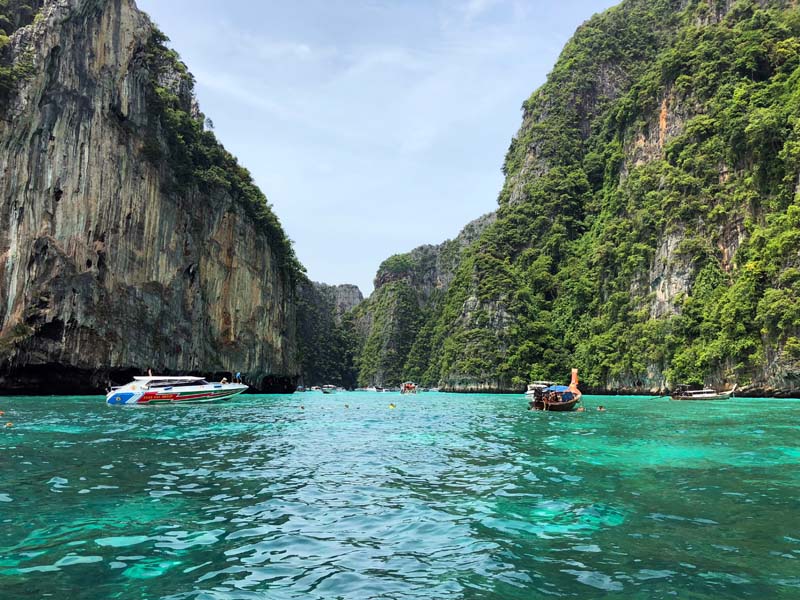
column 128, row 237
column 647, row 230
column 393, row 326
column 346, row 297
column 325, row 333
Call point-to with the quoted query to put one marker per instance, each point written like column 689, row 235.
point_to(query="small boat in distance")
column 409, row 387
column 153, row 390
column 328, row 389
column 683, row 393
column 559, row 398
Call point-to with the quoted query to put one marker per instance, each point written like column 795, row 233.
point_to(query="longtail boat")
column 681, row 393
column 559, row 398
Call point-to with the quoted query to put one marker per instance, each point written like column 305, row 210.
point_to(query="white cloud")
column 473, row 9
column 267, row 48
column 245, row 92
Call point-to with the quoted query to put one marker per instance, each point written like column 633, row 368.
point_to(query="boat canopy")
column 557, row 388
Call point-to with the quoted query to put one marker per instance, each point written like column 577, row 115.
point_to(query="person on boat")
column 224, row 380
column 238, row 378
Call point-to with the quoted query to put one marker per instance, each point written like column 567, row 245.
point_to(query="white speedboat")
column 150, row 390
column 329, row 389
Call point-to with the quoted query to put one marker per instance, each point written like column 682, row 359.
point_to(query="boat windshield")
column 176, row 383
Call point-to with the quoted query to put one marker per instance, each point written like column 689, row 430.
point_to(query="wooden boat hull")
column 556, row 406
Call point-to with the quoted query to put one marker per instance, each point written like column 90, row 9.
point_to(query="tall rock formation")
column 346, row 297
column 129, row 238
column 394, row 326
column 648, row 231
column 325, row 333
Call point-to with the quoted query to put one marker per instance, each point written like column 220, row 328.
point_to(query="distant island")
column 648, row 231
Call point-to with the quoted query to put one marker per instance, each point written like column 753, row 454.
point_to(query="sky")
column 373, row 126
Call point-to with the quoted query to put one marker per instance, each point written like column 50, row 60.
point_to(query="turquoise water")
column 445, row 496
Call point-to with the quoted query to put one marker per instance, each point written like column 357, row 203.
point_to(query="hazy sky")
column 373, row 126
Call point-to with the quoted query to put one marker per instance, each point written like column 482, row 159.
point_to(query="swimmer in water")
column 601, row 408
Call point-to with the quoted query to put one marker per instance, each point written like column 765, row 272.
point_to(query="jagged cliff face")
column 326, row 336
column 648, row 226
column 346, row 297
column 107, row 265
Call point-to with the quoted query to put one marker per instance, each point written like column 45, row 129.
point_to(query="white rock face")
column 102, row 268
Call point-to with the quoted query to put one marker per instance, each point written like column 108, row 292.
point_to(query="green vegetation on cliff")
column 700, row 147
column 13, row 15
column 395, row 326
column 649, row 226
column 396, row 318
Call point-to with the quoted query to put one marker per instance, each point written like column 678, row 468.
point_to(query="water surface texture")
column 444, row 496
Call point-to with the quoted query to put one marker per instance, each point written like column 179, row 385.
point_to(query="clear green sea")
column 445, row 496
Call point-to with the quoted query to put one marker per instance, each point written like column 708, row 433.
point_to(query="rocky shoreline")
column 63, row 380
